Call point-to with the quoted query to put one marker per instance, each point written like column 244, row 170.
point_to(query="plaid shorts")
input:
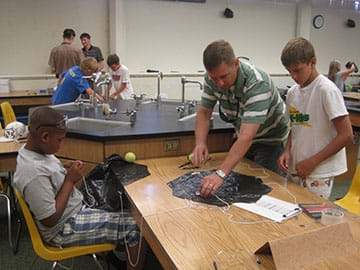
column 320, row 186
column 96, row 226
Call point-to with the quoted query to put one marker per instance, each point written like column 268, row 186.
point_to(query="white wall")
column 172, row 35
column 165, row 35
column 29, row 29
column 335, row 40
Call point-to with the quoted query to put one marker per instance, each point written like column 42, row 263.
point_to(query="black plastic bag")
column 105, row 180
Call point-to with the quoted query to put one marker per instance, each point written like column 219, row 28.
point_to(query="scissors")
column 188, row 165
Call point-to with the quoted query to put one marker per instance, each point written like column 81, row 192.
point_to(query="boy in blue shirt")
column 72, row 82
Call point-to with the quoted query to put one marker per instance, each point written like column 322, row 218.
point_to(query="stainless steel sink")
column 75, row 106
column 192, row 116
column 96, row 125
column 72, row 106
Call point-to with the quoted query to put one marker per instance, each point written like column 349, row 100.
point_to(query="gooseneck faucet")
column 185, row 81
column 101, row 82
column 160, row 76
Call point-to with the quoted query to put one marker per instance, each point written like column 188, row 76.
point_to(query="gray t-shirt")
column 339, row 81
column 39, row 178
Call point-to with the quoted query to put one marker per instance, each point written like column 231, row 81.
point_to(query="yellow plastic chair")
column 57, row 254
column 7, row 112
column 351, row 201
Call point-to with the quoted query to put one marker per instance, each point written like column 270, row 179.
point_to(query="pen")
column 215, row 265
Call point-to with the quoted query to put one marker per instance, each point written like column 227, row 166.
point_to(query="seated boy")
column 320, row 125
column 72, row 82
column 49, row 189
column 120, row 77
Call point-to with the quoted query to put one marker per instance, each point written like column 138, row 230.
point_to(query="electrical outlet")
column 171, row 145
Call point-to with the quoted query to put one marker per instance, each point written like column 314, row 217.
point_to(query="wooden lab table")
column 8, row 154
column 27, row 98
column 184, row 237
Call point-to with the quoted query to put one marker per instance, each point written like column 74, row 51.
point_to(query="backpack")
column 103, row 183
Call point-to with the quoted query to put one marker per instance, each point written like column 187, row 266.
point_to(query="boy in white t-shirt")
column 120, row 77
column 320, row 124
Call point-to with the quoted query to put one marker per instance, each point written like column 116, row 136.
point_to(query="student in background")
column 49, row 188
column 120, row 78
column 65, row 55
column 320, row 125
column 339, row 76
column 72, row 82
column 91, row 51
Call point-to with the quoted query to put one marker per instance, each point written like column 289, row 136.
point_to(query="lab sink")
column 192, row 116
column 96, row 125
column 73, row 106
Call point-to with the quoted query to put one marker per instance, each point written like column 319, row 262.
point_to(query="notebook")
column 271, row 208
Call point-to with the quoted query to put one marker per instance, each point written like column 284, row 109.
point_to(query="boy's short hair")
column 297, row 51
column 85, row 35
column 69, row 33
column 216, row 53
column 89, row 64
column 113, row 59
column 46, row 117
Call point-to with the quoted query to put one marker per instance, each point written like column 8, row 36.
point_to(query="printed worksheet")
column 271, row 208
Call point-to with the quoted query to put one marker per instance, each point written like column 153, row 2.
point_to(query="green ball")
column 130, row 157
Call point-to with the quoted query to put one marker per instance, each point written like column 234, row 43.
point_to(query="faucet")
column 102, row 81
column 185, row 81
column 160, row 76
column 138, row 98
column 132, row 115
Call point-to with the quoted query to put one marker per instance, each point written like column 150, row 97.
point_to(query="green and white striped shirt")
column 253, row 99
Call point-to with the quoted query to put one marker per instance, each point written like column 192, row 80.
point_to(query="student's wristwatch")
column 220, row 173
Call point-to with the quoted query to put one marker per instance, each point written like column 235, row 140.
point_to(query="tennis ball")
column 130, row 157
column 190, row 157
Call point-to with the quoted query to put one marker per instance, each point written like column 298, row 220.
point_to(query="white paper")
column 4, row 139
column 271, row 208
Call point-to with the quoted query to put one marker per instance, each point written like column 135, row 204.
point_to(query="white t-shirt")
column 122, row 76
column 311, row 110
column 39, row 178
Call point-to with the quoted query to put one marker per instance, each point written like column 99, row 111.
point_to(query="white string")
column 91, row 197
column 141, row 229
column 191, row 204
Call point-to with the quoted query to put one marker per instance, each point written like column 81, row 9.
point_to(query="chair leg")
column 98, row 264
column 54, row 265
column 33, row 262
column 9, row 220
column 14, row 209
column 13, row 245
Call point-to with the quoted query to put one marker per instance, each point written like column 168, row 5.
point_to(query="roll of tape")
column 331, row 216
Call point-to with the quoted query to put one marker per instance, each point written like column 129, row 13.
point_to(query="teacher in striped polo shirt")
column 249, row 100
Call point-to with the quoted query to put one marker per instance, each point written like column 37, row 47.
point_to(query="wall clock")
column 318, row 21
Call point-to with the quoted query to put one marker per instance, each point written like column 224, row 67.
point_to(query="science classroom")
column 180, row 134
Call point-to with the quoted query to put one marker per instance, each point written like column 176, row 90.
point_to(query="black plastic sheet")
column 236, row 188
